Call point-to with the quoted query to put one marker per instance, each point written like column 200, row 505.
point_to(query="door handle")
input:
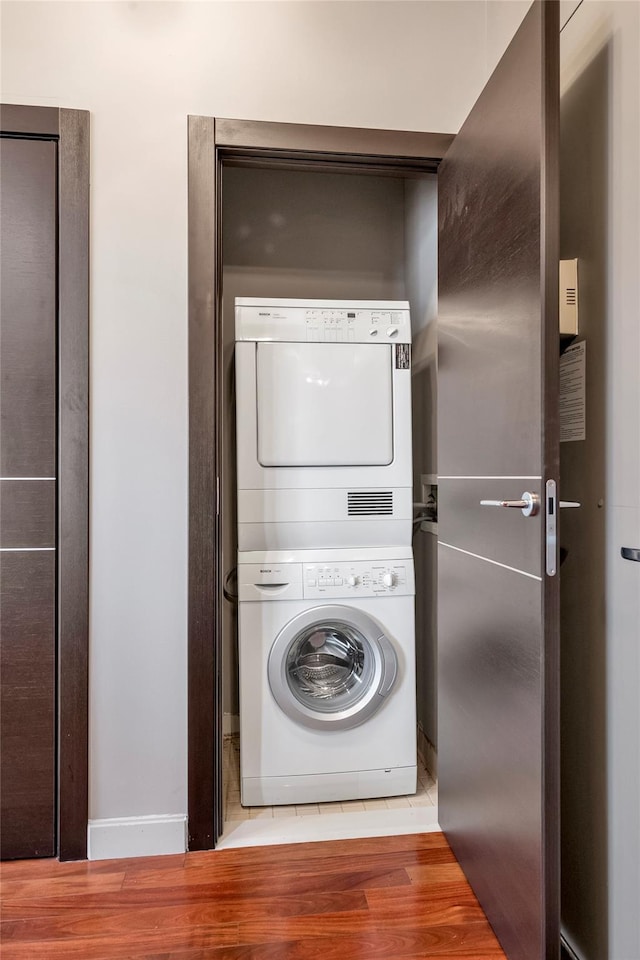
column 630, row 553
column 529, row 504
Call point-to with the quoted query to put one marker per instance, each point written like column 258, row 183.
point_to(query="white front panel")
column 332, row 517
column 328, row 787
column 323, row 533
column 324, row 404
column 252, row 475
column 273, row 745
column 318, row 506
column 315, row 556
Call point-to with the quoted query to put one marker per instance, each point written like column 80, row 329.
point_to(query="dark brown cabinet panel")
column 28, row 369
column 489, row 748
column 27, row 708
column 28, row 308
column 28, row 513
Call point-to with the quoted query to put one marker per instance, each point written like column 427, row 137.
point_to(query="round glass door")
column 331, row 667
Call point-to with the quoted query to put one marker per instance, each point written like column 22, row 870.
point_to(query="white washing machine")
column 323, row 419
column 327, row 675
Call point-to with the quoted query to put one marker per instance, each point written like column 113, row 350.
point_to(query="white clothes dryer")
column 323, row 414
column 327, row 675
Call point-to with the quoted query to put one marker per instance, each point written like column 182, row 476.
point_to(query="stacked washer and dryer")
column 325, row 567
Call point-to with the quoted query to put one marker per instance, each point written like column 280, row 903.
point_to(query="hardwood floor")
column 385, row 898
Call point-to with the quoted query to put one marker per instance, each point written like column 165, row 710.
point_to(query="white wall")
column 600, row 57
column 140, row 68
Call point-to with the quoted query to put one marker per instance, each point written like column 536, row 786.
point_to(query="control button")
column 373, row 332
column 329, row 581
column 338, row 581
column 389, row 579
column 352, row 581
column 311, row 582
column 322, row 582
column 392, row 331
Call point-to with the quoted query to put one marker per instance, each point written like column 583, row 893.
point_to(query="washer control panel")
column 368, row 579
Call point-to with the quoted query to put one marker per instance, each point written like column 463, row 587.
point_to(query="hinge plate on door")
column 551, row 528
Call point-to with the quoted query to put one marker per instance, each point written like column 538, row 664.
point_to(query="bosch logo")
column 266, row 571
column 264, row 314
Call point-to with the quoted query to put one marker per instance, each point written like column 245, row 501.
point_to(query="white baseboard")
column 230, row 724
column 136, row 837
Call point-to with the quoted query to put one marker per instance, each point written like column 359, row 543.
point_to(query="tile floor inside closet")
column 247, row 826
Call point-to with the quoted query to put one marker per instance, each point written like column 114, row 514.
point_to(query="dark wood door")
column 28, row 361
column 497, row 438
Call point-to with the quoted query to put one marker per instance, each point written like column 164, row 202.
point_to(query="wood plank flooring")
column 384, row 898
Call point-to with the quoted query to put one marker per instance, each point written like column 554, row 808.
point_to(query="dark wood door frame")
column 211, row 144
column 70, row 130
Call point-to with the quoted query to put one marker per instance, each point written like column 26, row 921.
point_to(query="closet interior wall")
column 308, row 234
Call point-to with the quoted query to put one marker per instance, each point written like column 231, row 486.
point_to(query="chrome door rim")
column 381, row 675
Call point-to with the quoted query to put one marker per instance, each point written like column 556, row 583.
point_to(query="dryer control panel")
column 356, row 326
column 318, row 321
column 368, row 579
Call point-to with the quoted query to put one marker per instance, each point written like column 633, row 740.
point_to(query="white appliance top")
column 325, row 321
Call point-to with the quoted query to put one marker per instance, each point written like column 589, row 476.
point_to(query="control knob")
column 352, row 580
column 389, row 579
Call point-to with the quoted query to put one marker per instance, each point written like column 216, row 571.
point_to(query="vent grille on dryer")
column 370, row 503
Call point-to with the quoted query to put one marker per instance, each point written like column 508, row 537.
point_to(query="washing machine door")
column 331, row 668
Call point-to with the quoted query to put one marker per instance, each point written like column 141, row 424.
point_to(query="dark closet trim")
column 41, row 122
column 212, row 143
column 550, row 258
column 204, row 660
column 70, row 128
column 73, row 484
